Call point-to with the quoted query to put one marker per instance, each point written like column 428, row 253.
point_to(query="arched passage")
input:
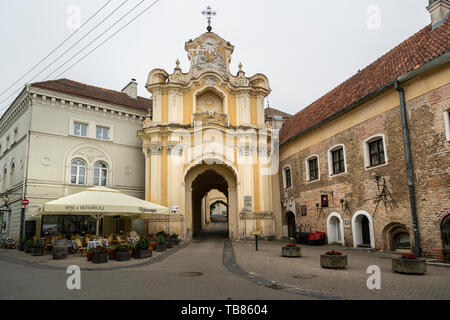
column 200, row 180
column 335, row 229
column 396, row 237
column 362, row 228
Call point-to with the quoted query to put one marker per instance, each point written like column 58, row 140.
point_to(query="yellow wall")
column 386, row 101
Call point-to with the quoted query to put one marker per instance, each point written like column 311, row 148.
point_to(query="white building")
column 61, row 137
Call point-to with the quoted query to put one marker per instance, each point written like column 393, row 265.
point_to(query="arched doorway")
column 335, row 229
column 292, row 227
column 445, row 230
column 362, row 226
column 199, row 181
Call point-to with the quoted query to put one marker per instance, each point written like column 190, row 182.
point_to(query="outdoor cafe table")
column 93, row 244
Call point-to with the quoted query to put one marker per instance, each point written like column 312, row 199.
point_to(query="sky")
column 305, row 48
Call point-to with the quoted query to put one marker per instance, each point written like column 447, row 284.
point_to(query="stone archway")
column 396, row 236
column 201, row 179
column 362, row 229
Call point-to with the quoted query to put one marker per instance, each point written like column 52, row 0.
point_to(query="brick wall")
column 358, row 187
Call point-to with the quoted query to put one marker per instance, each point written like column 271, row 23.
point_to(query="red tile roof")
column 422, row 47
column 86, row 91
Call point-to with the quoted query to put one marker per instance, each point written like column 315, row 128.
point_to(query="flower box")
column 291, row 251
column 100, row 257
column 409, row 266
column 122, row 255
column 336, row 261
column 142, row 254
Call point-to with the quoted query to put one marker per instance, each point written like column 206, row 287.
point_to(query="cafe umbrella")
column 99, row 202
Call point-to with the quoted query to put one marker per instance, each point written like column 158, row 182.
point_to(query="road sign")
column 25, row 202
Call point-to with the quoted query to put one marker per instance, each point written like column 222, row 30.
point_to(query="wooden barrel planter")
column 100, row 257
column 333, row 261
column 60, row 249
column 142, row 254
column 291, row 251
column 160, row 248
column 409, row 266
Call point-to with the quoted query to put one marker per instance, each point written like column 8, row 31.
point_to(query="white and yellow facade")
column 207, row 132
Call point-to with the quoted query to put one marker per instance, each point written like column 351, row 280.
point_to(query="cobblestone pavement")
column 162, row 280
column 305, row 273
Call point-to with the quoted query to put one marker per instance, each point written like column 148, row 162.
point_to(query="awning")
column 99, row 202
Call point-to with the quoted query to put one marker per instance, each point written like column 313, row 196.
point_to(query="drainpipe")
column 409, row 168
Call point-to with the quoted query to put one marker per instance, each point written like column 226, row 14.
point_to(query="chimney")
column 439, row 11
column 131, row 89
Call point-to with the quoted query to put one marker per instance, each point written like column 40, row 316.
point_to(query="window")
column 78, row 172
column 338, row 163
column 376, row 152
column 287, row 178
column 102, row 133
column 312, row 168
column 11, row 175
column 447, row 124
column 100, row 174
column 80, row 129
column 5, row 175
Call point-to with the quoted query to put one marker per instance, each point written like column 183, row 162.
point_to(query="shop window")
column 402, row 241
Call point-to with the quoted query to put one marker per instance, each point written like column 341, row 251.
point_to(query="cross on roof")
column 209, row 13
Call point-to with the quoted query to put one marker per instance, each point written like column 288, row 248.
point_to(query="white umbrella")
column 99, row 202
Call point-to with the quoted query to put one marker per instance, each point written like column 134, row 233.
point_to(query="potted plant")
column 409, row 264
column 174, row 239
column 122, row 253
column 291, row 250
column 161, row 244
column 37, row 249
column 28, row 246
column 142, row 249
column 152, row 242
column 100, row 255
column 89, row 254
column 333, row 260
column 111, row 252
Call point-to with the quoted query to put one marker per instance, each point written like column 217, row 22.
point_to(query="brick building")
column 344, row 166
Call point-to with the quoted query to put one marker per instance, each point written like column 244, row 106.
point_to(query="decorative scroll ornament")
column 175, row 150
column 246, row 150
column 147, row 123
column 155, row 150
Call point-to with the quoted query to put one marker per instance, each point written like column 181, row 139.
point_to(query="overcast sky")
column 305, row 48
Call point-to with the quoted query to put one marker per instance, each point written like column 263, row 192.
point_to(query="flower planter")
column 89, row 256
column 291, row 252
column 100, row 257
column 142, row 254
column 333, row 261
column 37, row 252
column 28, row 249
column 160, row 248
column 153, row 245
column 122, row 255
column 21, row 247
column 409, row 266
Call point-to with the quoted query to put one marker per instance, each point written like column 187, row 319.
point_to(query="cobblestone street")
column 215, row 268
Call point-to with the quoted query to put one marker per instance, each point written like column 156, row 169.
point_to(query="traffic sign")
column 25, row 202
